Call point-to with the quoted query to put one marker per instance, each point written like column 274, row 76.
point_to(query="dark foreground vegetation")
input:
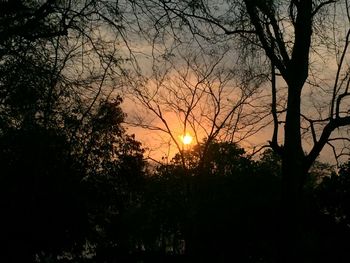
column 61, row 202
column 74, row 190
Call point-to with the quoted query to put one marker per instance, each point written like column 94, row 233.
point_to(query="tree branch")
column 324, row 138
column 274, row 142
column 315, row 11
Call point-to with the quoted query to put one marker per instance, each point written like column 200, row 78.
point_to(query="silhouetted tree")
column 68, row 168
column 289, row 34
column 195, row 92
column 114, row 171
column 58, row 193
column 225, row 211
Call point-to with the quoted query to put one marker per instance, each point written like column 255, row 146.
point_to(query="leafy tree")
column 58, row 193
column 224, row 211
column 114, row 171
column 67, row 166
column 221, row 158
column 23, row 22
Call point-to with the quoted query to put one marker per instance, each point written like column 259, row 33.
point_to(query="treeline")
column 62, row 202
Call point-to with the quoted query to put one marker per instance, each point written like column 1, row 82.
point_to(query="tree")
column 113, row 175
column 68, row 65
column 290, row 34
column 56, row 192
column 224, row 212
column 64, row 175
column 196, row 93
column 220, row 159
column 61, row 134
column 293, row 63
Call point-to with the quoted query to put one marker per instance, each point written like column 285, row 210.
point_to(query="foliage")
column 220, row 211
column 215, row 158
column 68, row 168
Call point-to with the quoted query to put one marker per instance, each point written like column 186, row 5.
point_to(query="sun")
column 186, row 139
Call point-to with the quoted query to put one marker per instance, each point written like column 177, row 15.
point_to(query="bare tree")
column 196, row 93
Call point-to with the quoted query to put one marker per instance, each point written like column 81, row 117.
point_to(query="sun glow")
column 186, row 139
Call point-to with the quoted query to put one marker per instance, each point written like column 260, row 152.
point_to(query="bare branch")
column 322, row 4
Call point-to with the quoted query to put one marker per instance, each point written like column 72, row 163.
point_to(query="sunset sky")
column 176, row 75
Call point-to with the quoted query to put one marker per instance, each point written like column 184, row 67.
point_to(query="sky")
column 172, row 79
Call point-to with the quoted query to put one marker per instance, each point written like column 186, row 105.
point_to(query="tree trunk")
column 293, row 174
column 291, row 208
column 293, row 158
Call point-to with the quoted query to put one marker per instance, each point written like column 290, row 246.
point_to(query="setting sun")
column 186, row 139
